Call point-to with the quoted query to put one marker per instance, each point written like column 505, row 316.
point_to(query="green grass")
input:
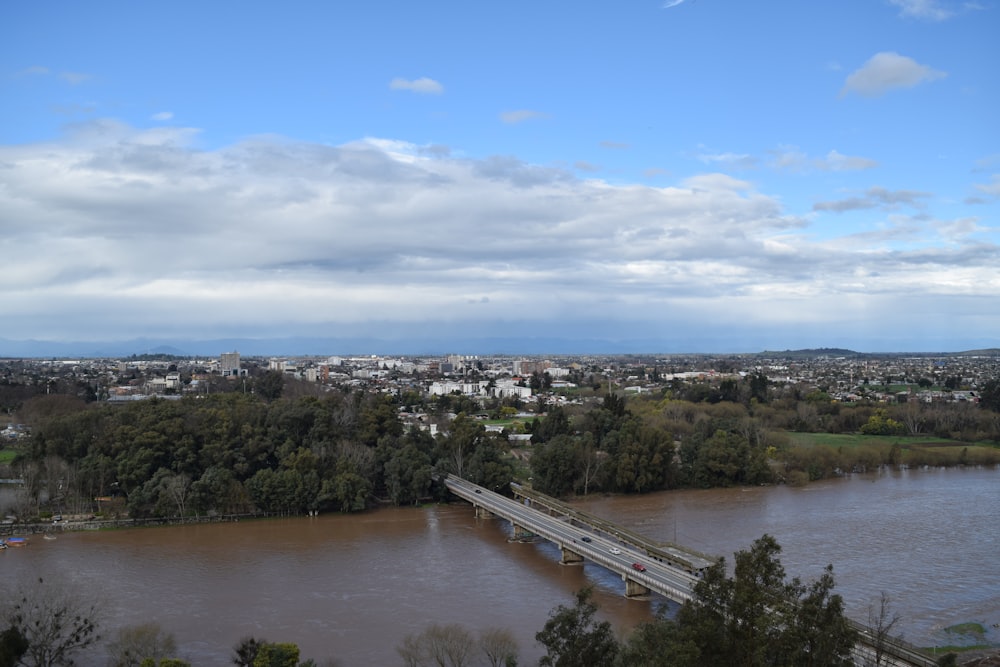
column 969, row 629
column 851, row 440
column 845, row 451
column 7, row 455
column 504, row 422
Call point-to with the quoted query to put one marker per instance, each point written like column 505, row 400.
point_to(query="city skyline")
column 679, row 176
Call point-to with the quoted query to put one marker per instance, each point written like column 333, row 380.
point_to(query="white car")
column 615, row 550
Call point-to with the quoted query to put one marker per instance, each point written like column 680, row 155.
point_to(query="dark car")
column 639, row 566
column 586, row 539
column 478, row 491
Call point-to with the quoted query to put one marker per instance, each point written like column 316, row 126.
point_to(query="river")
column 351, row 587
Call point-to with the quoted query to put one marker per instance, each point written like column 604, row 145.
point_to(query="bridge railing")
column 497, row 504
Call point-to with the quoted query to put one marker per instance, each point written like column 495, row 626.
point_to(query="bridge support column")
column 634, row 589
column 483, row 513
column 570, row 557
column 521, row 533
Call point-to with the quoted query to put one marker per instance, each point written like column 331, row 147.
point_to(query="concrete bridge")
column 640, row 574
column 680, row 557
column 644, row 566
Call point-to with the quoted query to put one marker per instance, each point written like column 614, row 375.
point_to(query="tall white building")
column 229, row 363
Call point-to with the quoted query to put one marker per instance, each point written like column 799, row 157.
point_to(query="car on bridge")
column 585, row 538
column 639, row 566
column 615, row 550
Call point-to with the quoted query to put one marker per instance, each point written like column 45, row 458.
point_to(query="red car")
column 639, row 566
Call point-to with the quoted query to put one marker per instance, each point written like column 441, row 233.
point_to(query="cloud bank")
column 120, row 232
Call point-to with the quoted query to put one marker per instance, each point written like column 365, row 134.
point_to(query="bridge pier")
column 570, row 557
column 634, row 589
column 521, row 533
column 483, row 513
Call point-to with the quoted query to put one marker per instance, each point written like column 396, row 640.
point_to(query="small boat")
column 17, row 541
column 47, row 536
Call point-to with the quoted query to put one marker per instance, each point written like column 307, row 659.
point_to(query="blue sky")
column 701, row 175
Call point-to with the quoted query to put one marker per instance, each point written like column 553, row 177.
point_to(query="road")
column 663, row 579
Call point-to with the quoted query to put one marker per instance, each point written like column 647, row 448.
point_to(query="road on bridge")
column 668, row 581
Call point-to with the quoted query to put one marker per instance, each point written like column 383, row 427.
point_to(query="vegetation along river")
column 351, row 587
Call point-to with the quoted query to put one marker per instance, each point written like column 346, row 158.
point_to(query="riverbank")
column 56, row 527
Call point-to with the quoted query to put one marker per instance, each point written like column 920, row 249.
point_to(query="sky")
column 676, row 176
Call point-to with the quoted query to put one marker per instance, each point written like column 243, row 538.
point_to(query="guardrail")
column 677, row 555
column 497, row 504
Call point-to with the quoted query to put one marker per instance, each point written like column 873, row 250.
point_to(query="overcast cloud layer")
column 125, row 231
column 864, row 219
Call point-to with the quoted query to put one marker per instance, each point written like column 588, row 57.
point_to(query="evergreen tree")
column 572, row 636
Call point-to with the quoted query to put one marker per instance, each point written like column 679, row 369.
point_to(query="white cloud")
column 788, row 158
column 875, row 197
column 672, row 3
column 74, row 78
column 34, row 70
column 520, row 116
column 423, row 85
column 958, row 230
column 931, row 10
column 887, row 71
column 162, row 116
column 734, row 160
column 835, row 161
column 791, row 158
column 992, row 188
column 127, row 232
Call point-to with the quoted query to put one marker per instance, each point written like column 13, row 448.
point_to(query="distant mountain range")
column 305, row 346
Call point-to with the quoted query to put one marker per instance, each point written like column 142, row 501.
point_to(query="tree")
column 881, row 424
column 819, row 633
column 136, row 643
column 658, row 643
column 279, row 654
column 881, row 622
column 572, row 636
column 54, row 621
column 499, row 646
column 246, row 650
column 555, row 465
column 755, row 619
column 13, row 645
column 989, row 395
column 269, row 385
column 441, row 645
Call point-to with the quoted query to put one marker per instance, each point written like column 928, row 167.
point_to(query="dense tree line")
column 235, row 453
column 278, row 450
column 737, row 435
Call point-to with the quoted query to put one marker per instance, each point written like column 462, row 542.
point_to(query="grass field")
column 914, row 450
column 861, row 440
column 7, row 455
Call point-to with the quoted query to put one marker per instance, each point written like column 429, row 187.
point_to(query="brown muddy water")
column 351, row 587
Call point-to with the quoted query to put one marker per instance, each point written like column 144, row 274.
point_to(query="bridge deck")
column 687, row 559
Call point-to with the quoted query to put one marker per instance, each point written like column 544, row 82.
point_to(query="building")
column 229, row 364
